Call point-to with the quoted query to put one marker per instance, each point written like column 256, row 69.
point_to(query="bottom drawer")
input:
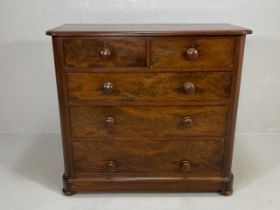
column 177, row 157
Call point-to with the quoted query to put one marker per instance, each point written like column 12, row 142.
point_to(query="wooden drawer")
column 128, row 122
column 184, row 157
column 105, row 52
column 136, row 87
column 193, row 53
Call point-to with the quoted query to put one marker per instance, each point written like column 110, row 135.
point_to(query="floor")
column 31, row 168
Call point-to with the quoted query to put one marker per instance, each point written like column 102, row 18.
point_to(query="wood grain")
column 63, row 107
column 167, row 119
column 147, row 30
column 124, row 52
column 148, row 122
column 148, row 156
column 238, row 60
column 214, row 52
column 135, row 87
column 147, row 185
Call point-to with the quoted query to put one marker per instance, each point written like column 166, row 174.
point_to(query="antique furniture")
column 148, row 107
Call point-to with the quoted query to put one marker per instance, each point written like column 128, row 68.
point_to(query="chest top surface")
column 147, row 30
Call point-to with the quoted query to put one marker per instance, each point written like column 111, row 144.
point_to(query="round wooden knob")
column 187, row 122
column 108, row 87
column 192, row 53
column 186, row 166
column 111, row 165
column 109, row 122
column 189, row 87
column 105, row 54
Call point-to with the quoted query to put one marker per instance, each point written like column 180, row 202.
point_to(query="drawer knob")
column 111, row 165
column 186, row 166
column 192, row 53
column 105, row 54
column 187, row 122
column 109, row 122
column 108, row 87
column 189, row 87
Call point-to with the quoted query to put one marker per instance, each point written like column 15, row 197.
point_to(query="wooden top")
column 147, row 30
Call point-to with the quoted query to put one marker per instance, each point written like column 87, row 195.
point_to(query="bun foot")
column 226, row 192
column 67, row 186
column 67, row 193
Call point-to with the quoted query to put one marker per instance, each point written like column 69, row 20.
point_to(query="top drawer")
column 193, row 53
column 105, row 52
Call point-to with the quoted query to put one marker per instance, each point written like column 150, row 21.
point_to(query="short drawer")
column 193, row 53
column 105, row 52
column 135, row 87
column 181, row 157
column 129, row 122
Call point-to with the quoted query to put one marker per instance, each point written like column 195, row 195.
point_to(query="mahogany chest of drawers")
column 148, row 107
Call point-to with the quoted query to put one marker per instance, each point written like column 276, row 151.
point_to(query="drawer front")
column 193, row 53
column 200, row 86
column 105, row 52
column 127, row 122
column 184, row 157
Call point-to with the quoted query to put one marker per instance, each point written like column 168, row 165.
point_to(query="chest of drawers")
column 148, row 107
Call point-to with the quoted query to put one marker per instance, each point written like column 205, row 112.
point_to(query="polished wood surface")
column 148, row 122
column 147, row 30
column 105, row 52
column 148, row 107
column 162, row 184
column 135, row 87
column 183, row 157
column 193, row 52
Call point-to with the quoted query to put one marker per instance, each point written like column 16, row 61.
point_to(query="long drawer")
column 181, row 157
column 134, row 87
column 152, row 122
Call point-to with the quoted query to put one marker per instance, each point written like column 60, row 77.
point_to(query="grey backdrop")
column 27, row 82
